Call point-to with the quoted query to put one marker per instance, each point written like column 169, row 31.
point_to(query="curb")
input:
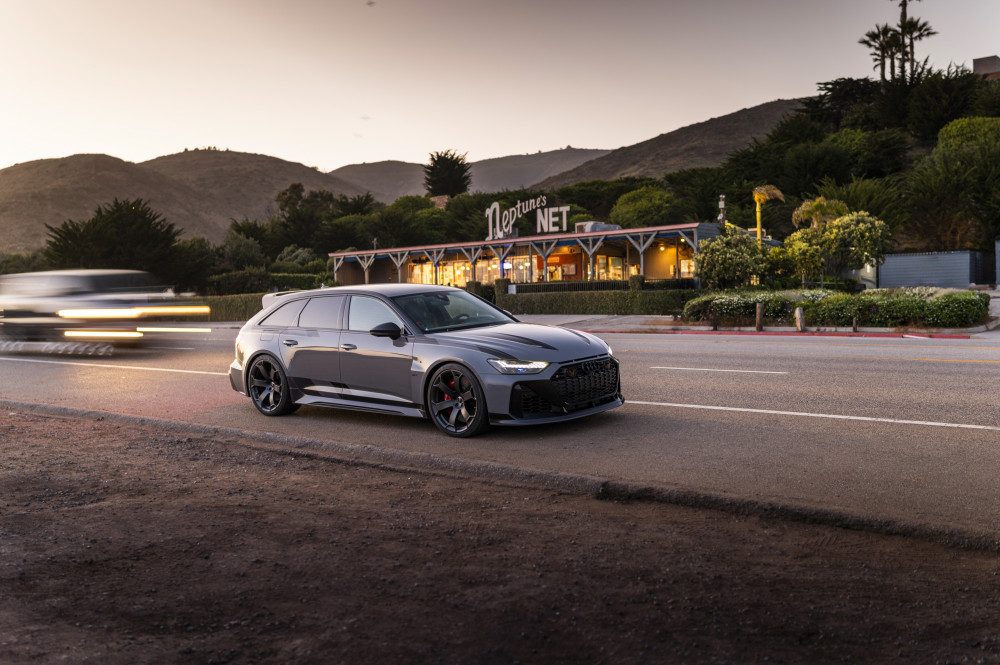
column 788, row 333
column 601, row 489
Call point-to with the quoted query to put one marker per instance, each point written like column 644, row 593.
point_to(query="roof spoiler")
column 271, row 297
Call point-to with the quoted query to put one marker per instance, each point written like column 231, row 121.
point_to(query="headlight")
column 517, row 366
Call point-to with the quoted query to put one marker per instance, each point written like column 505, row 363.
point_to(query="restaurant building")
column 592, row 251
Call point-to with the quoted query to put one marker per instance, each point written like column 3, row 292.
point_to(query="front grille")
column 572, row 388
column 586, row 381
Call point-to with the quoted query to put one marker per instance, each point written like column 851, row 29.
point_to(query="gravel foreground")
column 122, row 544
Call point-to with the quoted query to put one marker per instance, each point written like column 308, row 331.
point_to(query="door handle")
column 290, row 342
column 348, row 347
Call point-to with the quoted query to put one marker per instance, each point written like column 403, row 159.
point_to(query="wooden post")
column 760, row 316
column 800, row 320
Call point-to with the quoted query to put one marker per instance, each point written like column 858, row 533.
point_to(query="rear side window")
column 322, row 312
column 284, row 316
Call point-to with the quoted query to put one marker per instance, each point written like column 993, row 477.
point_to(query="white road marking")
column 703, row 369
column 832, row 416
column 109, row 366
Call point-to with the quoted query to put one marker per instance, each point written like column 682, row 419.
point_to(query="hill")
column 199, row 191
column 243, row 184
column 395, row 179
column 706, row 143
column 50, row 191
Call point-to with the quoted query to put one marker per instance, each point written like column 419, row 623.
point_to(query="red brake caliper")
column 447, row 397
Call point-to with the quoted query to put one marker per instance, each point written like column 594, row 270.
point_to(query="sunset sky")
column 335, row 82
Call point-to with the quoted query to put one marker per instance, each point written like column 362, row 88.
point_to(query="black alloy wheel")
column 268, row 387
column 456, row 402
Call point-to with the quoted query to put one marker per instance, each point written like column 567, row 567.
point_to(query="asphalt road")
column 897, row 430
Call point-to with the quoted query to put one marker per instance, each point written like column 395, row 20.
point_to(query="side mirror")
column 387, row 329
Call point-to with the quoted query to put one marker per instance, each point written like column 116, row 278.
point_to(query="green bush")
column 893, row 310
column 957, row 310
column 575, row 302
column 248, row 280
column 838, row 310
column 287, row 281
column 484, row 291
column 742, row 307
column 700, row 308
column 660, row 302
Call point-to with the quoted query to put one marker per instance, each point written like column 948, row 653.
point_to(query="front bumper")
column 236, row 377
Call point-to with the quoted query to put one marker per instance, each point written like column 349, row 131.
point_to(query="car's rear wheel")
column 268, row 387
column 456, row 401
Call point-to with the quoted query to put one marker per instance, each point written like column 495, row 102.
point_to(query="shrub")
column 286, row 281
column 958, row 309
column 894, row 310
column 699, row 309
column 838, row 310
column 660, row 302
column 248, row 280
column 742, row 307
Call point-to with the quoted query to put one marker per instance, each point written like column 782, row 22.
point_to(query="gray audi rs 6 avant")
column 425, row 351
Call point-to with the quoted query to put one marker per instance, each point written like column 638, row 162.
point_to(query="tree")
column 760, row 195
column 649, row 206
column 855, row 241
column 299, row 218
column 240, row 252
column 817, row 212
column 940, row 98
column 806, row 252
column 902, row 31
column 447, row 174
column 30, row 261
column 195, row 260
column 885, row 45
column 729, row 260
column 881, row 197
column 914, row 30
column 362, row 204
column 598, row 197
column 122, row 234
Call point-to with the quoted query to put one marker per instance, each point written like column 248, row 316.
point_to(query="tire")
column 267, row 386
column 456, row 402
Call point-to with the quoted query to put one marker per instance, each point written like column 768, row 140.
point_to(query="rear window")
column 284, row 316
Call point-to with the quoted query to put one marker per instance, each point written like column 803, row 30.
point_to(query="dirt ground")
column 122, row 544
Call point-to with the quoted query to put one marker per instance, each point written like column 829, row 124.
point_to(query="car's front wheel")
column 268, row 387
column 456, row 401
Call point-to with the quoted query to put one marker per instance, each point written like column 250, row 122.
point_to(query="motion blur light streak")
column 103, row 333
column 173, row 330
column 133, row 312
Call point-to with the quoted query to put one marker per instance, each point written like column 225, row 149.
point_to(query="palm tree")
column 760, row 195
column 902, row 30
column 915, row 30
column 818, row 212
column 884, row 46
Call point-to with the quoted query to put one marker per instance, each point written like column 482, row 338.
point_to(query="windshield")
column 454, row 310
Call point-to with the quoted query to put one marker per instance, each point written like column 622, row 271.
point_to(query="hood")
column 527, row 341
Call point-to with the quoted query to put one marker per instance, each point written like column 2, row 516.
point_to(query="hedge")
column 882, row 308
column 958, row 310
column 597, row 302
column 233, row 308
column 254, row 280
